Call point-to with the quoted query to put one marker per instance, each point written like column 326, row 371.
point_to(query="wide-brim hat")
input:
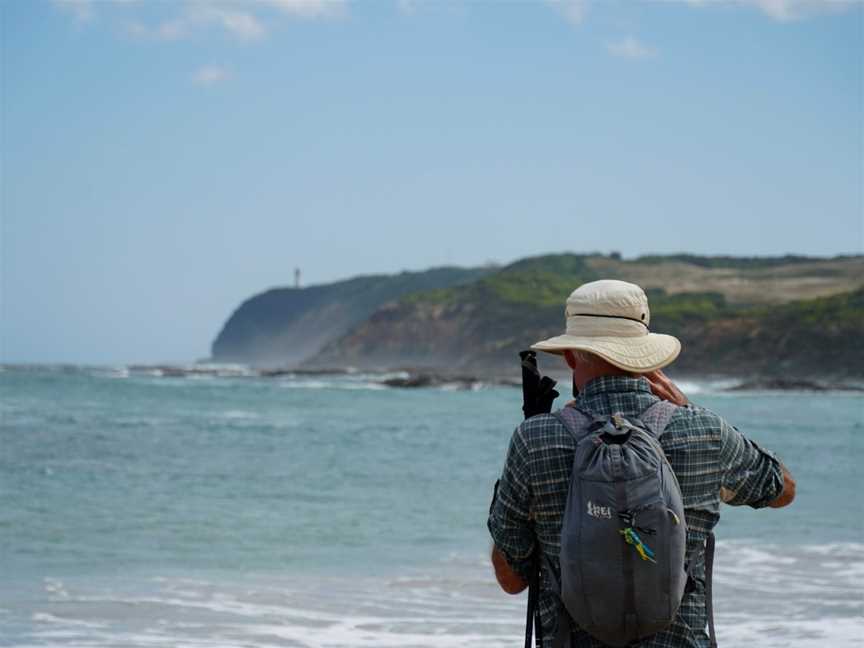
column 610, row 318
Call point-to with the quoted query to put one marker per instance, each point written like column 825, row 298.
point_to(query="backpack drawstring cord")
column 632, row 538
column 629, row 519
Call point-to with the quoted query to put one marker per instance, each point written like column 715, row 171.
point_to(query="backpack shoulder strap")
column 709, row 587
column 574, row 420
column 657, row 417
column 561, row 638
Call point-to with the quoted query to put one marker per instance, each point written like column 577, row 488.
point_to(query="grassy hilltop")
column 734, row 316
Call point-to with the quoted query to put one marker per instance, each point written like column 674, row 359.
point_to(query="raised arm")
column 752, row 475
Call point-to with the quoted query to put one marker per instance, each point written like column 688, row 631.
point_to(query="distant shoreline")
column 420, row 378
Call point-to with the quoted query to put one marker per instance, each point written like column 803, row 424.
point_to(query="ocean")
column 145, row 510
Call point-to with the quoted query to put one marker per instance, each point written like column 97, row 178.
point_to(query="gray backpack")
column 623, row 535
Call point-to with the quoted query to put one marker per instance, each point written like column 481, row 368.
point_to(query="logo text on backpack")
column 597, row 511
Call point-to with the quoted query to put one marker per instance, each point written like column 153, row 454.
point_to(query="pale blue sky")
column 162, row 161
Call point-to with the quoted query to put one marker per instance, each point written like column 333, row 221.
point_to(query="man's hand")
column 509, row 580
column 788, row 494
column 664, row 388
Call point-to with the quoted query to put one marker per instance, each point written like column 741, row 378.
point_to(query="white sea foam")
column 844, row 632
column 475, row 385
column 769, row 596
column 240, row 414
column 55, row 587
column 715, row 386
column 330, row 384
column 45, row 617
column 376, row 377
column 222, row 368
column 112, row 372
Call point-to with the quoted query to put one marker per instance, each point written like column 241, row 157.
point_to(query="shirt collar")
column 605, row 384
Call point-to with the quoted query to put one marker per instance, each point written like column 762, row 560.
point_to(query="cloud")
column 211, row 74
column 235, row 18
column 173, row 29
column 630, row 48
column 407, row 7
column 82, row 10
column 785, row 10
column 573, row 10
column 310, row 8
column 239, row 24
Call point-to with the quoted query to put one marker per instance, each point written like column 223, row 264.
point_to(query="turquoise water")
column 330, row 511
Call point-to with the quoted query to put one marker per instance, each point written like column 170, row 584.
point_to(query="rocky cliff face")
column 417, row 334
column 285, row 326
column 814, row 338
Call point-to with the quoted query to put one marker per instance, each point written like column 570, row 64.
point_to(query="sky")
column 160, row 162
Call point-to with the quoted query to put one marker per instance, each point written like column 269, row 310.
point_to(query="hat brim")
column 641, row 354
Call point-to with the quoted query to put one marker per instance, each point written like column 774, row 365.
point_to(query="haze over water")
column 329, row 511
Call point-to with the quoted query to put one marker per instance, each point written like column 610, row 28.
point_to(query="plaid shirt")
column 711, row 459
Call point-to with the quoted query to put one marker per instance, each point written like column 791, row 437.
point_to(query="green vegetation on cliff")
column 739, row 263
column 840, row 312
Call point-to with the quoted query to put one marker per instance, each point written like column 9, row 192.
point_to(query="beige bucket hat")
column 610, row 319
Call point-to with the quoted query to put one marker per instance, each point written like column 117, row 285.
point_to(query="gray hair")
column 583, row 356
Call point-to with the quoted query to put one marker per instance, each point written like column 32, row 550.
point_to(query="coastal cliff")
column 735, row 316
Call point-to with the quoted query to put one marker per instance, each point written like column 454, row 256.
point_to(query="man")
column 616, row 364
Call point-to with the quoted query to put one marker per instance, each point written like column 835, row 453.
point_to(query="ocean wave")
column 239, row 415
column 136, row 421
column 475, row 385
column 45, row 617
column 110, row 372
column 55, row 587
column 378, row 377
column 767, row 595
column 843, row 632
column 706, row 386
column 330, row 384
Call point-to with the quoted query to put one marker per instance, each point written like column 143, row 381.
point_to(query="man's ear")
column 570, row 358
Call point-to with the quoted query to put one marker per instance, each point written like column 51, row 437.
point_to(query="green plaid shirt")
column 711, row 459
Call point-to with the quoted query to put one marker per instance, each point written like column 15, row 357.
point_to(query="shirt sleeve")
column 509, row 517
column 751, row 475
